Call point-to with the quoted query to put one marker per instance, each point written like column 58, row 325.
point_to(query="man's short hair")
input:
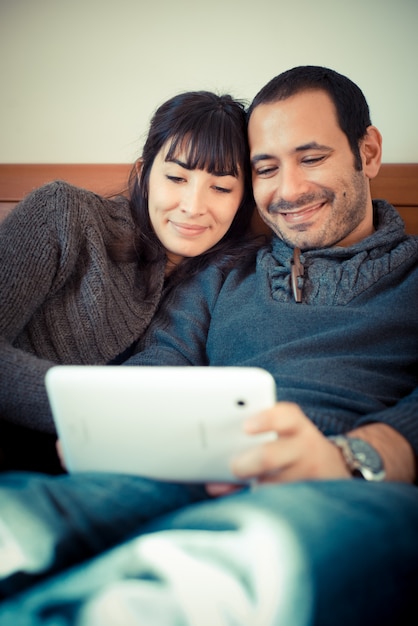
column 351, row 106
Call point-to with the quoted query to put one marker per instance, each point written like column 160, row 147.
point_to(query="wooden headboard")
column 396, row 182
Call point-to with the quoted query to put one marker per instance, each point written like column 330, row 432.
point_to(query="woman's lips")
column 188, row 230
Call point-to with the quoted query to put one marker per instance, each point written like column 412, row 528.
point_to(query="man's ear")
column 371, row 152
column 138, row 166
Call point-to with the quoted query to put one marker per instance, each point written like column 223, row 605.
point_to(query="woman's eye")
column 175, row 179
column 222, row 189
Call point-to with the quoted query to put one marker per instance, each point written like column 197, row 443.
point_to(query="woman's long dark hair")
column 213, row 130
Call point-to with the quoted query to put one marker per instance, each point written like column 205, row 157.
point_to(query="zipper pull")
column 297, row 271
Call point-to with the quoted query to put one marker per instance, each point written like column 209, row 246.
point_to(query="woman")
column 88, row 272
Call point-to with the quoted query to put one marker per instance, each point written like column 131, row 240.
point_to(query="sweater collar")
column 337, row 275
column 389, row 231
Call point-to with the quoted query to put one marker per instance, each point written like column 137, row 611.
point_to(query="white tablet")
column 168, row 423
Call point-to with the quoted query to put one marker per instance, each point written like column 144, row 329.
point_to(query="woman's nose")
column 194, row 201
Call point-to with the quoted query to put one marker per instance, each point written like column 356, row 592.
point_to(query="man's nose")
column 292, row 183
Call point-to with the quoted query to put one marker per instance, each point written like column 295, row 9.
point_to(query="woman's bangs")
column 210, row 149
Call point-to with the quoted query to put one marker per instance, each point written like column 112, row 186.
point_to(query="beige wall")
column 80, row 78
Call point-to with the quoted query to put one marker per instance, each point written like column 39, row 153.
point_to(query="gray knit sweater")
column 62, row 299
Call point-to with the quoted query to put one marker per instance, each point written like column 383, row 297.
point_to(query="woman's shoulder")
column 59, row 212
column 76, row 196
column 62, row 189
column 61, row 200
column 49, row 192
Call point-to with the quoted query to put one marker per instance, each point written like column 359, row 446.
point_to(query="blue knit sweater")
column 347, row 354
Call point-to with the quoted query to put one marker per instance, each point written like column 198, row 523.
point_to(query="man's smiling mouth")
column 302, row 215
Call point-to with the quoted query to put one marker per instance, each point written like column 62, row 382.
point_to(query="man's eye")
column 313, row 160
column 265, row 171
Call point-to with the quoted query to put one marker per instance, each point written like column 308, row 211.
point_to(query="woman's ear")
column 371, row 152
column 138, row 166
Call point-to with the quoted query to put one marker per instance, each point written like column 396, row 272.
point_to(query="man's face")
column 305, row 184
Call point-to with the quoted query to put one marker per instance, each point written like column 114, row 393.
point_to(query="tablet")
column 166, row 423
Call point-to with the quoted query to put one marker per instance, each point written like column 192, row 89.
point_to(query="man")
column 330, row 310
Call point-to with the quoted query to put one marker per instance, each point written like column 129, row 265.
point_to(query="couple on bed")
column 171, row 275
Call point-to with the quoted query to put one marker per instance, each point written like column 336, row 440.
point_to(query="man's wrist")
column 362, row 460
column 394, row 449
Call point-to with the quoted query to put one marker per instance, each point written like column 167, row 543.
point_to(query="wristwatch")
column 361, row 458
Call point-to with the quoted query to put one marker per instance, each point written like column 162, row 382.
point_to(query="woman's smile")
column 187, row 230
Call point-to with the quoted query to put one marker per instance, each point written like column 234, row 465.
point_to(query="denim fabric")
column 350, row 546
column 359, row 540
column 48, row 523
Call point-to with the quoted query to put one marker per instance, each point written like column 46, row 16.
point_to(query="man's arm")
column 178, row 334
column 397, row 454
column 393, row 432
column 302, row 452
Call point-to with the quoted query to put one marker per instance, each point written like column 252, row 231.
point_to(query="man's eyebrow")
column 312, row 145
column 260, row 157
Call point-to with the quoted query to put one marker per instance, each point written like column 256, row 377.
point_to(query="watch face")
column 366, row 460
column 366, row 455
column 361, row 458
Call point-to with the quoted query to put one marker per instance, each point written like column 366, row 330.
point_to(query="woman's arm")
column 28, row 267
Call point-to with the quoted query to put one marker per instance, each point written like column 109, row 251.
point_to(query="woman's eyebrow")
column 178, row 162
column 188, row 167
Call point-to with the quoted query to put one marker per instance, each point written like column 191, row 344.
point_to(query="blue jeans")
column 48, row 523
column 346, row 552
